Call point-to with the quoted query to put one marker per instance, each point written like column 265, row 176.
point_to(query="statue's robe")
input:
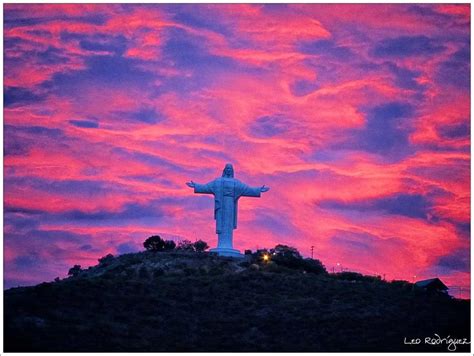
column 227, row 192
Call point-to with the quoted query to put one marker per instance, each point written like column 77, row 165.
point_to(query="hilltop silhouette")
column 183, row 300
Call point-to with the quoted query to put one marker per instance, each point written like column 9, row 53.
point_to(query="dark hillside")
column 178, row 301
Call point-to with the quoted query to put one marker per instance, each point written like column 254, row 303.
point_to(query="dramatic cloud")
column 406, row 46
column 357, row 116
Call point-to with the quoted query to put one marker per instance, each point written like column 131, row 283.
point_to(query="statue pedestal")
column 228, row 252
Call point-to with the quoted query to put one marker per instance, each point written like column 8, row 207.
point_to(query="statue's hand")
column 191, row 184
column 264, row 189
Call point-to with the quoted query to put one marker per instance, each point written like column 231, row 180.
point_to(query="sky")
column 357, row 116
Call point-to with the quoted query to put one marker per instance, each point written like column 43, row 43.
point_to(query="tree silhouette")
column 74, row 271
column 169, row 245
column 200, row 246
column 185, row 245
column 154, row 243
column 106, row 260
column 313, row 266
column 290, row 257
column 285, row 252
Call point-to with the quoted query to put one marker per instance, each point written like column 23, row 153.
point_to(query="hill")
column 185, row 301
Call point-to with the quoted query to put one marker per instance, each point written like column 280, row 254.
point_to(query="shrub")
column 154, row 243
column 216, row 270
column 158, row 272
column 245, row 264
column 143, row 272
column 285, row 251
column 272, row 267
column 200, row 246
column 401, row 284
column 74, row 271
column 257, row 256
column 157, row 244
column 185, row 245
column 254, row 267
column 106, row 260
column 169, row 245
column 313, row 266
column 203, row 270
column 287, row 256
column 188, row 271
column 354, row 276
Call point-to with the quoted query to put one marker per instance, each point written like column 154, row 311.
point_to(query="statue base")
column 227, row 252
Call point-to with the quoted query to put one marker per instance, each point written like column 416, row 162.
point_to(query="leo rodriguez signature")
column 438, row 340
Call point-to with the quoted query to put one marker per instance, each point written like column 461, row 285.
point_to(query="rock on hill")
column 196, row 302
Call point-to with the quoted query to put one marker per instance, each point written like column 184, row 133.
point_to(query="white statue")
column 227, row 190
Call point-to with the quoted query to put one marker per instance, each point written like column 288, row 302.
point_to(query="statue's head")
column 228, row 171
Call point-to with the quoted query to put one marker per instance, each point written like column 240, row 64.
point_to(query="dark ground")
column 195, row 302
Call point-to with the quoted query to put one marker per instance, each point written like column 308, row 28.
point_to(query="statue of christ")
column 226, row 190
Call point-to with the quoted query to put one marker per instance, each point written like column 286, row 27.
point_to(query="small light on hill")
column 266, row 258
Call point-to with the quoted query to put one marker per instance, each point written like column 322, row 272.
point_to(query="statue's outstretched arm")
column 191, row 184
column 253, row 191
column 202, row 188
